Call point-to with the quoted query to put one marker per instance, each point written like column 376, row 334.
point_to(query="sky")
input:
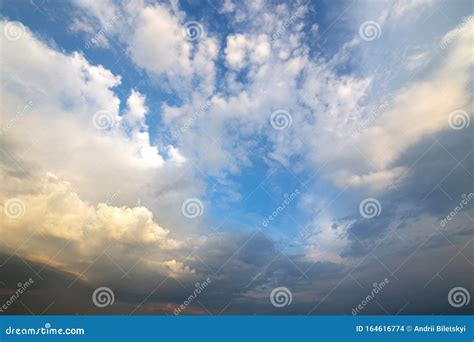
column 236, row 157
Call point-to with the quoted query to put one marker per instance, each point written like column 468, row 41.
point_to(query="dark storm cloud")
column 440, row 173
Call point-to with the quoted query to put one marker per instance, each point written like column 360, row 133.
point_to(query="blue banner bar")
column 236, row 328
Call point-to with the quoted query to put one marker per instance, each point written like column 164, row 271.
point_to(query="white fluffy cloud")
column 241, row 49
column 219, row 125
column 170, row 52
column 280, row 75
column 156, row 41
column 79, row 180
column 64, row 132
column 55, row 210
column 420, row 108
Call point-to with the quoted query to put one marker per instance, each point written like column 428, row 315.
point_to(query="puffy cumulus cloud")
column 267, row 63
column 236, row 50
column 133, row 123
column 420, row 108
column 77, row 233
column 170, row 52
column 74, row 127
column 34, row 73
column 280, row 74
column 227, row 7
column 55, row 210
column 337, row 123
column 79, row 166
column 241, row 49
column 137, row 109
column 224, row 132
column 171, row 57
column 125, row 224
column 265, row 76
